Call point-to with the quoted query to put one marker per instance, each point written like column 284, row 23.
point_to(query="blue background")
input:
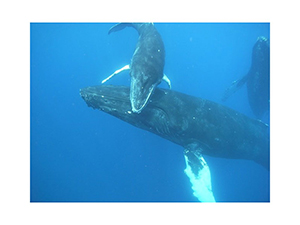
column 81, row 154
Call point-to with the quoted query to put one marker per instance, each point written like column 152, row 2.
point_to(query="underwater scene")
column 143, row 112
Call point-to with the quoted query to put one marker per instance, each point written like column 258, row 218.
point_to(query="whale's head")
column 110, row 99
column 115, row 101
column 261, row 50
column 141, row 89
column 146, row 70
column 263, row 41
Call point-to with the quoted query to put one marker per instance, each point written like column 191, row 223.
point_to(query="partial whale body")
column 257, row 79
column 147, row 64
column 200, row 126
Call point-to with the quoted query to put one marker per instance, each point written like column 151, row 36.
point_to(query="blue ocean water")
column 80, row 154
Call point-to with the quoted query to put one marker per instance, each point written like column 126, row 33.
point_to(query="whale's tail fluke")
column 138, row 26
column 119, row 26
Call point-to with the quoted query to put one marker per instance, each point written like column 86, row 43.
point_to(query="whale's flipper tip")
column 199, row 174
column 126, row 67
column 167, row 80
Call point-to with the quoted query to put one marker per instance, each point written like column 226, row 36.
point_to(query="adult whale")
column 147, row 64
column 202, row 127
column 257, row 79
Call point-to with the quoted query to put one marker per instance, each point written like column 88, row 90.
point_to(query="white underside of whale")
column 201, row 180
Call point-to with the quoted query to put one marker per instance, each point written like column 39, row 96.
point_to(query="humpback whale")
column 200, row 126
column 147, row 64
column 258, row 79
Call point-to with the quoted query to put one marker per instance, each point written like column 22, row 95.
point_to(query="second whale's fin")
column 127, row 67
column 167, row 80
column 235, row 85
column 199, row 174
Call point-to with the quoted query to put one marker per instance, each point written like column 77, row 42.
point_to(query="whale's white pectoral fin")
column 199, row 174
column 127, row 67
column 166, row 79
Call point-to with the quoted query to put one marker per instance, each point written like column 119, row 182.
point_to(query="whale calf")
column 147, row 64
column 257, row 79
column 200, row 126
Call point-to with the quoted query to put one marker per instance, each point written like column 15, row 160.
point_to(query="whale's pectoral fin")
column 199, row 174
column 166, row 79
column 127, row 67
column 235, row 85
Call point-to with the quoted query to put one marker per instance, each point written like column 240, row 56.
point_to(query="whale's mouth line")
column 133, row 101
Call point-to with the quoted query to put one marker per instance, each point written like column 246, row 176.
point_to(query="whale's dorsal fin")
column 199, row 174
